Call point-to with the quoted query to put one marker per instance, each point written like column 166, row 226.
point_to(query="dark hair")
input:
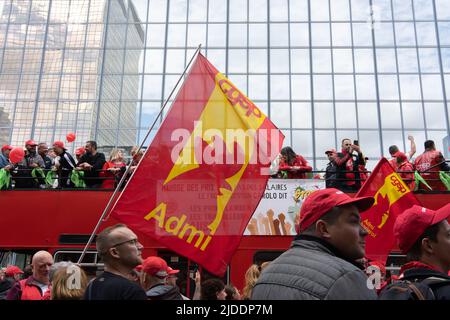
column 330, row 217
column 289, row 154
column 429, row 144
column 415, row 253
column 230, row 291
column 210, row 288
column 92, row 143
column 342, row 142
column 393, row 149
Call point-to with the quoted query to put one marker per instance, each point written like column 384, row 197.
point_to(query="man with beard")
column 91, row 163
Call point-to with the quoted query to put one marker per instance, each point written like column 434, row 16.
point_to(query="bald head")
column 41, row 263
column 118, row 245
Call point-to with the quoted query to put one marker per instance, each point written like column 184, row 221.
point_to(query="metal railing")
column 32, row 179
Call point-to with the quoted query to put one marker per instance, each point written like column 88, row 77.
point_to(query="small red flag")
column 392, row 197
column 205, row 171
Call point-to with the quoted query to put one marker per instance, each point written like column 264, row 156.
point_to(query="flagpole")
column 128, row 168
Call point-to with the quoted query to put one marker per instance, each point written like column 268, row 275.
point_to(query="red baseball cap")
column 412, row 223
column 321, row 201
column 379, row 264
column 59, row 144
column 330, row 151
column 30, row 143
column 80, row 151
column 12, row 270
column 6, row 147
column 155, row 266
column 171, row 271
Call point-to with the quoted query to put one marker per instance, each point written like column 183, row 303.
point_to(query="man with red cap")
column 405, row 169
column 4, row 156
column 12, row 275
column 171, row 280
column 31, row 161
column 424, row 236
column 153, row 279
column 64, row 164
column 321, row 263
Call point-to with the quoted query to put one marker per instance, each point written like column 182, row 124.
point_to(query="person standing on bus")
column 4, row 157
column 394, row 149
column 26, row 168
column 120, row 251
column 91, row 163
column 348, row 164
column 64, row 164
column 36, row 286
column 320, row 264
column 429, row 163
column 113, row 169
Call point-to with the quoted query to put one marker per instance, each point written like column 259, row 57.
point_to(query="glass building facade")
column 374, row 71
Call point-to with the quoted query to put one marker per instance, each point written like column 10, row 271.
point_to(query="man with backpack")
column 424, row 236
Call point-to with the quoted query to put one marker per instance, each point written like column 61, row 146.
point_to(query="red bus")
column 60, row 221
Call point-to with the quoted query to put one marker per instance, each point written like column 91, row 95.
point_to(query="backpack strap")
column 417, row 292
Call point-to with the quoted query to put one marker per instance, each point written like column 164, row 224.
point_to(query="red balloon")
column 16, row 155
column 70, row 137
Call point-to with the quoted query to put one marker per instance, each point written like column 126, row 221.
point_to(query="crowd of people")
column 346, row 170
column 126, row 276
column 44, row 167
column 55, row 167
column 326, row 261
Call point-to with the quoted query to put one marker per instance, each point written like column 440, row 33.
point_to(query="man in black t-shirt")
column 120, row 250
column 91, row 163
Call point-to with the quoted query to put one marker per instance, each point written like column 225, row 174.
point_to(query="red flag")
column 392, row 197
column 205, row 171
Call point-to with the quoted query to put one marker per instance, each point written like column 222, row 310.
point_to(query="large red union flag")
column 392, row 197
column 205, row 171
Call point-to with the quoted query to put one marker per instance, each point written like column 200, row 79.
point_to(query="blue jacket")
column 3, row 161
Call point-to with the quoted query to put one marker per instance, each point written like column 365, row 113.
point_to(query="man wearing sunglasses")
column 120, row 251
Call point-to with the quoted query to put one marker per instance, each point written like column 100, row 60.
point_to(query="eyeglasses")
column 132, row 241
